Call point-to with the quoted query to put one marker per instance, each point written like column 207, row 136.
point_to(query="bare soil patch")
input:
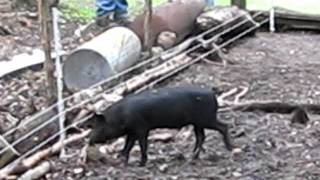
column 273, row 66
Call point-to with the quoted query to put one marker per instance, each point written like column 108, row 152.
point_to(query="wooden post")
column 44, row 17
column 240, row 3
column 147, row 25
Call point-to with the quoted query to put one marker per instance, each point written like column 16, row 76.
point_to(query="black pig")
column 137, row 114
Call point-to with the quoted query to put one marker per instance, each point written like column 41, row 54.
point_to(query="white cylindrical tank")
column 102, row 57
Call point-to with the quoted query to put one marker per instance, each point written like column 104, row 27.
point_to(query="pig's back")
column 171, row 107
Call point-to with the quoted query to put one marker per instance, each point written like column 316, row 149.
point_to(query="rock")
column 93, row 154
column 163, row 168
column 236, row 151
column 164, row 137
column 309, row 165
column 102, row 150
column 236, row 174
column 166, row 39
column 135, row 150
column 157, row 50
column 308, row 157
column 292, row 52
column 174, row 177
column 78, row 170
column 90, row 173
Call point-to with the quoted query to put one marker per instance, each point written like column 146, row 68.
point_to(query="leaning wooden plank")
column 23, row 60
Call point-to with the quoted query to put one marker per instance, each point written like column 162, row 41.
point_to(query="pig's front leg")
column 200, row 137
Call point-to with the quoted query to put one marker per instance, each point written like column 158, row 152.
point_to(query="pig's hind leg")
column 143, row 142
column 223, row 129
column 131, row 138
column 200, row 136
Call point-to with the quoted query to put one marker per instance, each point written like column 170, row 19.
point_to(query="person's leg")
column 104, row 11
column 121, row 12
column 210, row 3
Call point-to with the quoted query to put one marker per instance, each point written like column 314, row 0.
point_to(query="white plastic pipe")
column 272, row 17
column 57, row 47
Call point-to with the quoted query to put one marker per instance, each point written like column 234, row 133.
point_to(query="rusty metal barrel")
column 177, row 17
column 111, row 52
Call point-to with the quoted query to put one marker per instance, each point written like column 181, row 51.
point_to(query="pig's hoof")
column 125, row 160
column 125, row 164
column 230, row 147
column 142, row 164
column 195, row 156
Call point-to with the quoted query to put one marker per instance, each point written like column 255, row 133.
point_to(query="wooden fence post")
column 147, row 25
column 44, row 17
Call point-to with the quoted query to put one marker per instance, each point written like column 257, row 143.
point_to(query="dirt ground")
column 273, row 66
column 20, row 33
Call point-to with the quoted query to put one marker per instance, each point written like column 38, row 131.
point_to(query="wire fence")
column 109, row 90
column 127, row 71
column 151, row 84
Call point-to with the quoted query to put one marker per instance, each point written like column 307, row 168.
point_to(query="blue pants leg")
column 121, row 6
column 210, row 3
column 106, row 6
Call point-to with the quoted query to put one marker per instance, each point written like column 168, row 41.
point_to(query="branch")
column 31, row 161
column 37, row 172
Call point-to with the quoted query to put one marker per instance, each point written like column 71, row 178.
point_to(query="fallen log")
column 219, row 15
column 23, row 145
column 271, row 106
column 33, row 160
column 36, row 172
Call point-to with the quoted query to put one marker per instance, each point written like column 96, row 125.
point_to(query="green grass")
column 84, row 10
column 136, row 6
